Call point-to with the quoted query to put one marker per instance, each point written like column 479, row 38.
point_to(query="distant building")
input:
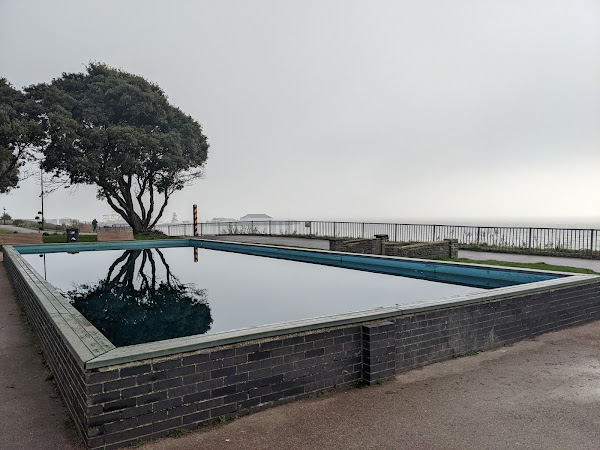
column 223, row 219
column 255, row 217
column 65, row 221
column 174, row 219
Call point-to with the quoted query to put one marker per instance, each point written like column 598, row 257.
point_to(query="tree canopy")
column 118, row 131
column 19, row 133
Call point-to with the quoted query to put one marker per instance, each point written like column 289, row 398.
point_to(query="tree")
column 19, row 134
column 133, row 305
column 117, row 131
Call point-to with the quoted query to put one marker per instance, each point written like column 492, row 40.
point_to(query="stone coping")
column 92, row 350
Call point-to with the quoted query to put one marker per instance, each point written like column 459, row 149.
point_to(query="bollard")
column 195, row 220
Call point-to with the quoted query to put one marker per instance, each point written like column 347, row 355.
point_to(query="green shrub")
column 62, row 238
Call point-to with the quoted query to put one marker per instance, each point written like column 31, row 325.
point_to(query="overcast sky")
column 470, row 111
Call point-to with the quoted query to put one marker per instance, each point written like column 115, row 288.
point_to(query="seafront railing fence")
column 579, row 241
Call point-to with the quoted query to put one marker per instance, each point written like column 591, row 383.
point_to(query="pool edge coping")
column 84, row 339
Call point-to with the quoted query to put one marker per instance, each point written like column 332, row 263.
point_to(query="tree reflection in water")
column 136, row 305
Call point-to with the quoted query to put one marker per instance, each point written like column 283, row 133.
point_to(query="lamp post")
column 42, row 196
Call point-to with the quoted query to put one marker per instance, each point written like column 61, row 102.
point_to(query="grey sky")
column 382, row 110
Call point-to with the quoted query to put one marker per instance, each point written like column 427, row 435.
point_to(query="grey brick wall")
column 448, row 248
column 437, row 335
column 379, row 352
column 150, row 398
column 365, row 246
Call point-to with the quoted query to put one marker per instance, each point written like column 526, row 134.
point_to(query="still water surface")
column 136, row 296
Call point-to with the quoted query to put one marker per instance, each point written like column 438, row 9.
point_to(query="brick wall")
column 150, row 398
column 365, row 246
column 14, row 239
column 433, row 336
column 448, row 248
column 107, row 236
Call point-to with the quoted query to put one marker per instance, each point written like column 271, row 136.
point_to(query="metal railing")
column 582, row 242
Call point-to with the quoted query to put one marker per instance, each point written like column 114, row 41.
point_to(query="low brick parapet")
column 107, row 236
column 17, row 238
column 448, row 248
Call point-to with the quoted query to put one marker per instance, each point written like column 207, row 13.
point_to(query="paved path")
column 12, row 228
column 32, row 415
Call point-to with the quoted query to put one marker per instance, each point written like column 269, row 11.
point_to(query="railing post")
column 478, row 234
column 591, row 242
column 269, row 227
column 433, row 240
column 333, row 229
column 529, row 238
column 363, row 230
column 396, row 233
column 201, row 234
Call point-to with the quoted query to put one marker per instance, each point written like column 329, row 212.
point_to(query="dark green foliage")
column 18, row 133
column 62, row 238
column 117, row 131
column 134, row 303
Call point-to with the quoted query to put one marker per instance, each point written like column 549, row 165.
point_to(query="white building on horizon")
column 222, row 219
column 255, row 217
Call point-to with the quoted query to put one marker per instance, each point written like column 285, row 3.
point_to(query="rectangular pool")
column 145, row 295
column 143, row 340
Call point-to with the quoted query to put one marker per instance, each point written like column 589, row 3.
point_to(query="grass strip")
column 537, row 266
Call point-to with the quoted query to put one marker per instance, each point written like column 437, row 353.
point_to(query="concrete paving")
column 537, row 394
column 32, row 415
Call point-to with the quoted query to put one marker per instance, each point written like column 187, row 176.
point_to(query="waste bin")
column 72, row 234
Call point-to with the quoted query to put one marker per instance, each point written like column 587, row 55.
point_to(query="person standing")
column 95, row 226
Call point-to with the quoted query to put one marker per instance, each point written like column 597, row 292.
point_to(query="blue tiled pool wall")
column 184, row 390
column 464, row 274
